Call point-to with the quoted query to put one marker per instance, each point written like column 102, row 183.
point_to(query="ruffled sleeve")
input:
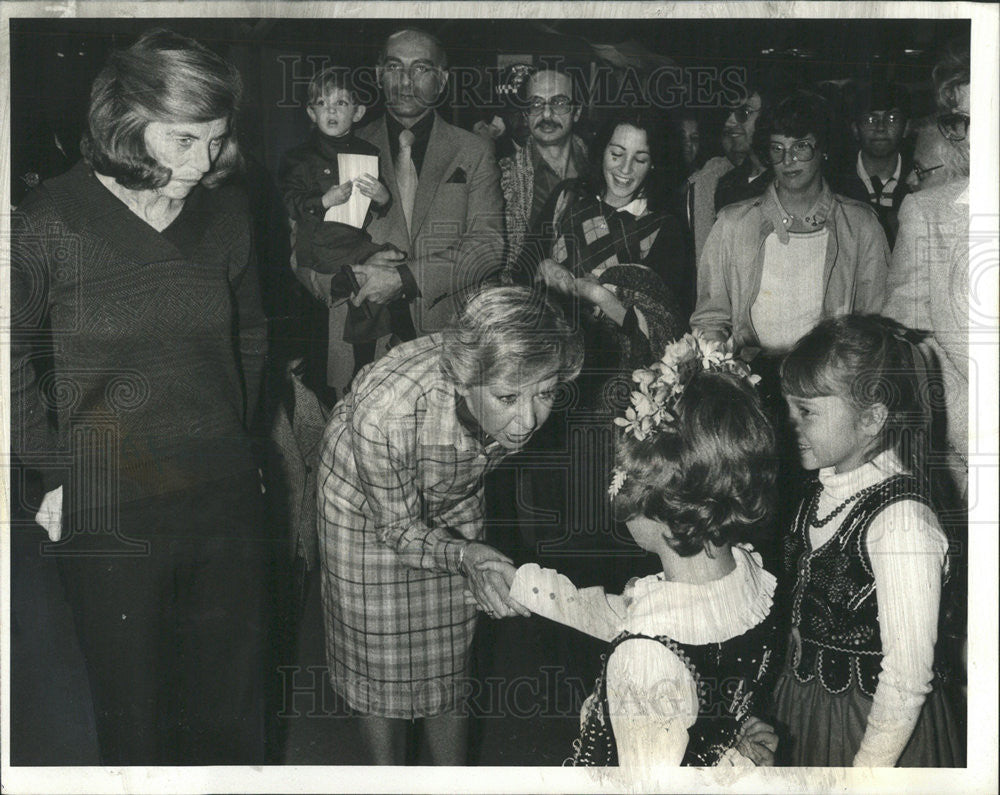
column 548, row 593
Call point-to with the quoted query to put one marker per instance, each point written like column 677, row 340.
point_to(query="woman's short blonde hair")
column 510, row 335
column 167, row 78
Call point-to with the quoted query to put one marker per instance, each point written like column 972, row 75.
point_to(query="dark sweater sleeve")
column 671, row 258
column 299, row 189
column 33, row 431
column 251, row 322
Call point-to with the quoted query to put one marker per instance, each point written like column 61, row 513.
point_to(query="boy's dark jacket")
column 307, row 172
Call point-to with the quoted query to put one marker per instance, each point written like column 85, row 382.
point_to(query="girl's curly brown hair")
column 711, row 475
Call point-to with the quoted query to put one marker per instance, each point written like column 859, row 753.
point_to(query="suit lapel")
column 440, row 154
column 391, row 228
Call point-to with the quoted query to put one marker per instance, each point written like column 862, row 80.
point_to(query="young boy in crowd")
column 326, row 250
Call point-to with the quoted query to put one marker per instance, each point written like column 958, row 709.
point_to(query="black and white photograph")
column 499, row 397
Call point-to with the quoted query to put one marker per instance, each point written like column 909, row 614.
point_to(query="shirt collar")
column 636, row 207
column 866, row 178
column 781, row 219
column 963, row 197
column 577, row 165
column 421, row 130
column 742, row 599
column 449, row 422
column 843, row 484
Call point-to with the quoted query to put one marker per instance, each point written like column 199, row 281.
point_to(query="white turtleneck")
column 907, row 550
column 651, row 694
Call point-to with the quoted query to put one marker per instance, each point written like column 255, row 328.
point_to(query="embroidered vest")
column 834, row 606
column 731, row 677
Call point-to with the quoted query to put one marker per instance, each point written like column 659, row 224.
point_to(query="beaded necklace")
column 813, row 517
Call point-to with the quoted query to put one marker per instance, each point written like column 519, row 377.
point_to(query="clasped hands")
column 489, row 575
column 367, row 186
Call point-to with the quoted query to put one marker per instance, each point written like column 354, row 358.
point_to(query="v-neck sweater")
column 136, row 355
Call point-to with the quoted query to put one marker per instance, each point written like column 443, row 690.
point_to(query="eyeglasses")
column 560, row 104
column 743, row 113
column 415, row 71
column 888, row 119
column 954, row 126
column 923, row 172
column 801, row 151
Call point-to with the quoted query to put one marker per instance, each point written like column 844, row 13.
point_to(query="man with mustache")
column 552, row 153
column 445, row 214
column 881, row 117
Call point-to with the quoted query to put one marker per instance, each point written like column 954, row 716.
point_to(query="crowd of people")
column 763, row 353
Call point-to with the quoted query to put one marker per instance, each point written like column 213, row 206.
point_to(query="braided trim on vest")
column 853, row 531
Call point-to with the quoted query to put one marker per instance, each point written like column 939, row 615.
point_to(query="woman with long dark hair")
column 609, row 242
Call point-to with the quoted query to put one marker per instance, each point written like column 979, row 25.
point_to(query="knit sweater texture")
column 136, row 355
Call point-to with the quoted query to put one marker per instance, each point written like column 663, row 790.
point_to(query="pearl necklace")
column 813, row 517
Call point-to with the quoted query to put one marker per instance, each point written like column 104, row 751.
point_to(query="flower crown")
column 654, row 403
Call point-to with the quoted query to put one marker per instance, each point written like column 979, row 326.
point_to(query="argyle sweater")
column 135, row 354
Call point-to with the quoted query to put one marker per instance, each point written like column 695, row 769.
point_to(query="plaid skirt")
column 397, row 638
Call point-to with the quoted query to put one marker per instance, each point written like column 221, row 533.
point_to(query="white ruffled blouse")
column 651, row 694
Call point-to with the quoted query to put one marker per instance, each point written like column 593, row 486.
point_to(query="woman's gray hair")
column 167, row 78
column 510, row 334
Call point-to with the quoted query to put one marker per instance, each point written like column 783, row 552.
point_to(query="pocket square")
column 458, row 176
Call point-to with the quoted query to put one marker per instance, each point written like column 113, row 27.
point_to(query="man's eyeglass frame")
column 559, row 105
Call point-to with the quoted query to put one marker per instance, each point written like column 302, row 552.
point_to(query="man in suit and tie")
column 446, row 210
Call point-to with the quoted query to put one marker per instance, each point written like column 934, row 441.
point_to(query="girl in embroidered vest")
column 868, row 557
column 690, row 647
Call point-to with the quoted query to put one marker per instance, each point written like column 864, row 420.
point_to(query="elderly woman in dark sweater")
column 135, row 360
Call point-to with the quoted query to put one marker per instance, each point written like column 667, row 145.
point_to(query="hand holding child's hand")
column 504, row 568
column 491, row 589
column 373, row 189
column 338, row 194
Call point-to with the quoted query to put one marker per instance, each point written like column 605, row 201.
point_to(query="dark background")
column 53, row 63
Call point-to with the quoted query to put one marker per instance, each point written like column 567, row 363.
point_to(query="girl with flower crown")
column 868, row 557
column 691, row 647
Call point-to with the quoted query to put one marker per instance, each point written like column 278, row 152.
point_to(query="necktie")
column 877, row 188
column 406, row 175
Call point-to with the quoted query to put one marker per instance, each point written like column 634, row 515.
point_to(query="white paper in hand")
column 354, row 210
